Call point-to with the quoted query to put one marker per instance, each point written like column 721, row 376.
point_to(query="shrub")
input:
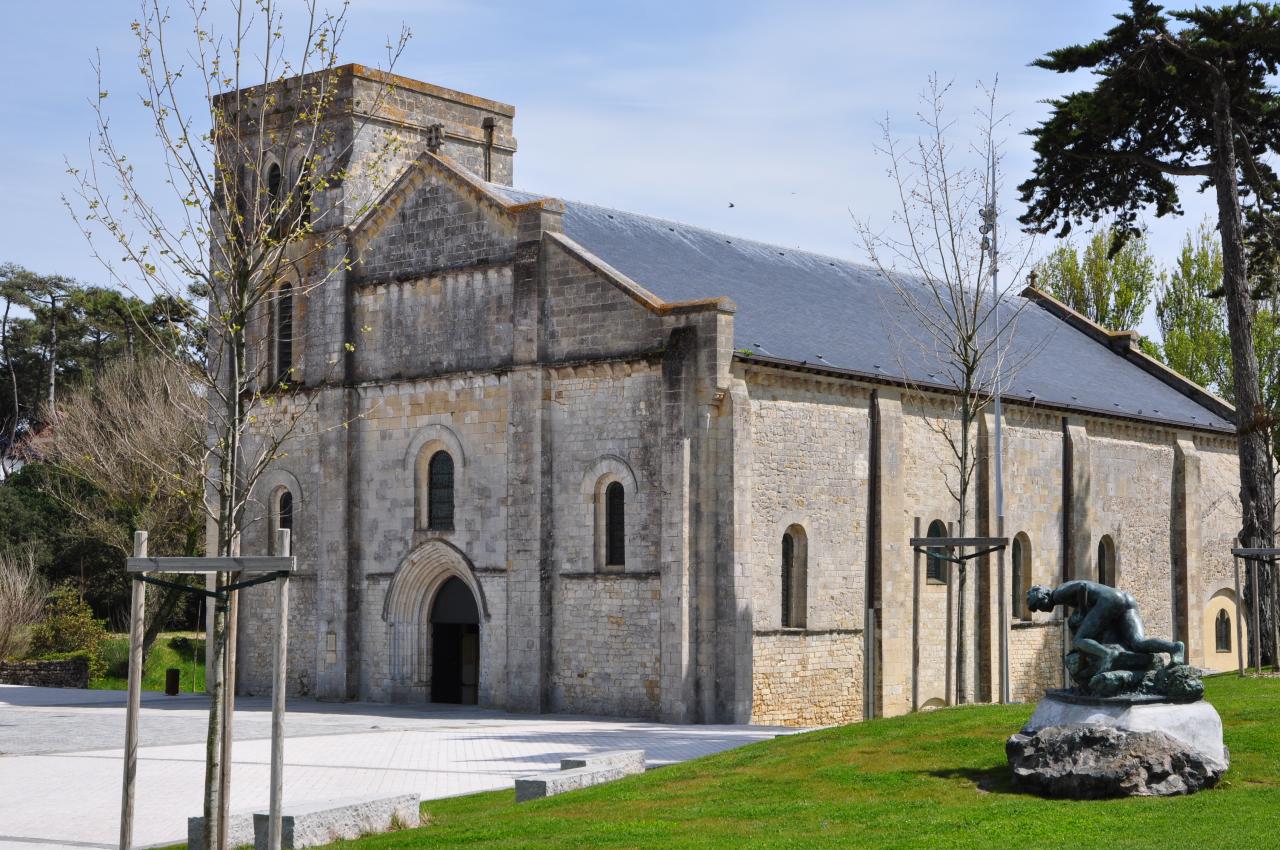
column 69, row 627
column 22, row 594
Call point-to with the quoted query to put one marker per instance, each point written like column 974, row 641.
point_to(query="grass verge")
column 171, row 649
column 936, row 780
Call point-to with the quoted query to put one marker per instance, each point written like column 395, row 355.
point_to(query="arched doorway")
column 455, row 644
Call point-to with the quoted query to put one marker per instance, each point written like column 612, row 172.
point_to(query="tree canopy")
column 1111, row 289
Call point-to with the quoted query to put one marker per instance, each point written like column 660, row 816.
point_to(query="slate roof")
column 827, row 312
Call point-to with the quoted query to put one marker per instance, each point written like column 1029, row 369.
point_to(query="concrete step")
column 580, row 772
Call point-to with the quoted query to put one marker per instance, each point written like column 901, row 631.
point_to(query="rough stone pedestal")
column 1089, row 747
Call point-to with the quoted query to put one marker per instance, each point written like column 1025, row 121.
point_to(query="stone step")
column 239, row 831
column 580, row 772
column 631, row 759
column 321, row 822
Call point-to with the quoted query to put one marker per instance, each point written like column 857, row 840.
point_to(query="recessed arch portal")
column 424, row 609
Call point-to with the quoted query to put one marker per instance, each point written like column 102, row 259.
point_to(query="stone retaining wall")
column 72, row 673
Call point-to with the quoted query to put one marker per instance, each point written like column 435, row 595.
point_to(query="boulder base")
column 1093, row 761
column 1087, row 747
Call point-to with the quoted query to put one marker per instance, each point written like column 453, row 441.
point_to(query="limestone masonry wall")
column 412, row 328
column 810, row 451
column 1131, row 473
column 807, row 678
column 606, row 646
column 1035, row 660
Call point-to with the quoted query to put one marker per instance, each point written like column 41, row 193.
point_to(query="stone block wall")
column 930, row 476
column 606, row 643
column 413, row 328
column 1035, row 659
column 807, row 678
column 1131, row 472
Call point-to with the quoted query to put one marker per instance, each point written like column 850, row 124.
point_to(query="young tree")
column 940, row 263
column 248, row 149
column 1193, row 324
column 1112, row 290
column 1188, row 94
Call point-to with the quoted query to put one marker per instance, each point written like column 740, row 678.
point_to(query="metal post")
column 278, row 696
column 915, row 622
column 1239, row 614
column 137, row 615
column 1004, row 617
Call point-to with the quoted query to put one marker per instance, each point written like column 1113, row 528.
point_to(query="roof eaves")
column 928, row 386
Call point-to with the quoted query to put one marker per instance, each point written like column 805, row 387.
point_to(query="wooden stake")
column 229, row 704
column 952, row 637
column 137, row 615
column 1257, row 625
column 1004, row 617
column 915, row 622
column 1239, row 614
column 278, row 691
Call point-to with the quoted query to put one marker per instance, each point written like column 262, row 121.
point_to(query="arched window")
column 1106, row 561
column 1222, row 632
column 1020, row 574
column 274, row 180
column 281, row 517
column 795, row 578
column 935, row 571
column 440, row 492
column 615, row 526
column 284, row 334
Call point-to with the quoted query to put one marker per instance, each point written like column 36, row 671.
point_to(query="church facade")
column 573, row 459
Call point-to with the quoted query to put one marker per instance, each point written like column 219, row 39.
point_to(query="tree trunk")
column 53, row 350
column 1257, row 490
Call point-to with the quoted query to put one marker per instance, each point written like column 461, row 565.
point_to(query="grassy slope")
column 899, row 783
column 163, row 656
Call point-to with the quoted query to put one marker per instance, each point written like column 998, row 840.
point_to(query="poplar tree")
column 1183, row 94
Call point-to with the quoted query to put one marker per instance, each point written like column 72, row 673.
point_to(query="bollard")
column 171, row 681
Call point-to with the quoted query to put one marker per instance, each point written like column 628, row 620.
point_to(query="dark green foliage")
column 1116, row 148
column 69, row 627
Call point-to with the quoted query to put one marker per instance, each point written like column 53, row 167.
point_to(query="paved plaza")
column 61, row 751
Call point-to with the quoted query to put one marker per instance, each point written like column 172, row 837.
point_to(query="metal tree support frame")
column 1255, row 558
column 985, row 546
column 263, row 569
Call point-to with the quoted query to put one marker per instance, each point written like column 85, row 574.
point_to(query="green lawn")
column 171, row 649
column 935, row 780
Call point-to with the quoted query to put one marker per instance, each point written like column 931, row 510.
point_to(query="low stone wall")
column 807, row 678
column 72, row 673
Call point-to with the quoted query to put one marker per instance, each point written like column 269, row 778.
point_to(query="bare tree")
column 22, row 594
column 245, row 210
column 939, row 261
column 130, row 447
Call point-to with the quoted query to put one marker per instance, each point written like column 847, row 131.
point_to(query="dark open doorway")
column 455, row 645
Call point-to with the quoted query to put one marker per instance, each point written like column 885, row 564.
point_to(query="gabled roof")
column 824, row 312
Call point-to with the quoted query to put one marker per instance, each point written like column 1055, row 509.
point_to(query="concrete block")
column 239, row 831
column 581, row 772
column 325, row 821
column 630, row 760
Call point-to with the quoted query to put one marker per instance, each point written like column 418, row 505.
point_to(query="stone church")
column 585, row 460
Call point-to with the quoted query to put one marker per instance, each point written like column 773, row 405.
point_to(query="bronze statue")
column 1109, row 654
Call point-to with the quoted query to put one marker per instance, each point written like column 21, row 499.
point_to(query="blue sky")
column 673, row 109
